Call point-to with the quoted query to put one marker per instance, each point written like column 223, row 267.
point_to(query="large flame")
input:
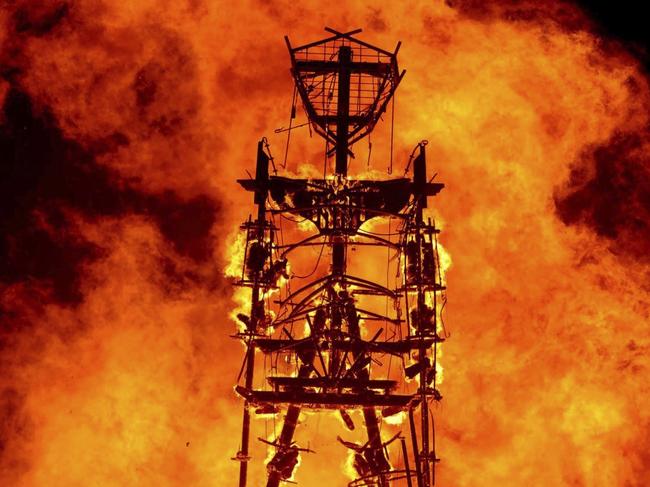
column 125, row 125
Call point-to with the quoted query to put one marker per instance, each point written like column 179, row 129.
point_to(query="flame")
column 396, row 419
column 348, row 466
column 235, row 252
column 114, row 312
column 241, row 296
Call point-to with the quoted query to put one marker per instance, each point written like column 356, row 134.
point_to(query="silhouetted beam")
column 261, row 178
column 323, row 67
column 352, row 119
column 288, row 429
column 342, row 114
column 397, row 347
column 313, row 400
column 332, row 382
column 268, row 345
column 360, row 186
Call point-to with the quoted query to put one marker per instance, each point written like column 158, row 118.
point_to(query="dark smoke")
column 39, row 19
column 46, row 177
column 622, row 23
column 608, row 191
column 561, row 12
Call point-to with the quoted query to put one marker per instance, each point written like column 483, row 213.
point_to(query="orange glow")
column 547, row 374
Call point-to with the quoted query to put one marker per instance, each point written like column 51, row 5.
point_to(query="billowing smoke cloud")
column 48, row 178
column 124, row 127
column 609, row 192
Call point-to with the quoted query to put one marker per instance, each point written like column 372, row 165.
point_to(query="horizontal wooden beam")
column 312, row 400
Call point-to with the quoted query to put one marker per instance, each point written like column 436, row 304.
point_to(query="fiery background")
column 123, row 128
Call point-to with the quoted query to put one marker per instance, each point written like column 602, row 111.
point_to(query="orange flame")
column 524, row 107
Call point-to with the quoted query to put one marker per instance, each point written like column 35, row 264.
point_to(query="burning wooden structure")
column 330, row 344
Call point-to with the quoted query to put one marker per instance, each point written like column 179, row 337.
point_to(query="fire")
column 396, row 419
column 117, row 365
column 236, row 252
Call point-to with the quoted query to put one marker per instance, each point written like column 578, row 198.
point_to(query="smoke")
column 609, row 192
column 123, row 128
